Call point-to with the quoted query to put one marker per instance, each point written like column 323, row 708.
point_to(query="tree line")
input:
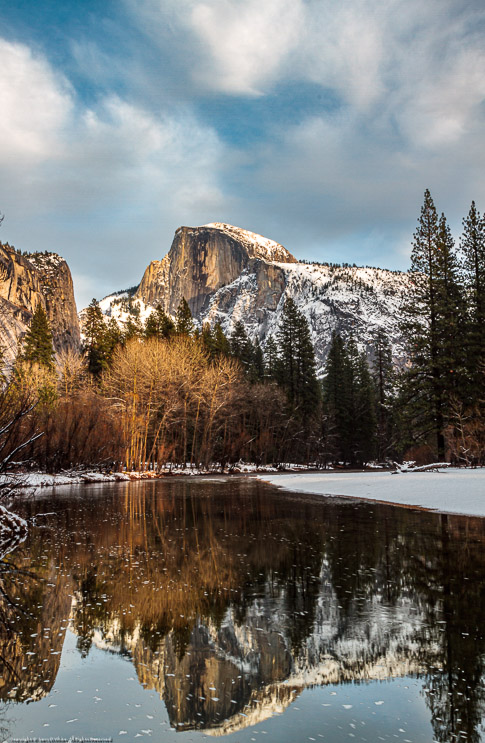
column 167, row 392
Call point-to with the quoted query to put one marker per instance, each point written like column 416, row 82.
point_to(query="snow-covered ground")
column 451, row 490
column 44, row 480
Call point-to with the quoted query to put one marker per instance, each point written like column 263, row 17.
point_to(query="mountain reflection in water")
column 230, row 598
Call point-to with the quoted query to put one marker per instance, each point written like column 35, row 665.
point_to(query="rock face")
column 201, row 261
column 227, row 274
column 29, row 280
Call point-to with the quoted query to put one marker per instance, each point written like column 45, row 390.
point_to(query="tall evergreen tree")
column 384, row 381
column 287, row 349
column 472, row 245
column 184, row 322
column 220, row 343
column 451, row 311
column 432, row 313
column 37, row 344
column 364, row 414
column 271, row 359
column 95, row 344
column 336, row 402
column 133, row 328
column 257, row 370
column 112, row 338
column 349, row 404
column 296, row 361
column 241, row 346
column 207, row 339
column 214, row 341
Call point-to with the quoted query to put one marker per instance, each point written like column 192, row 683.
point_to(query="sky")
column 316, row 123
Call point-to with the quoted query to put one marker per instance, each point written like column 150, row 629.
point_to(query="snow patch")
column 13, row 531
column 459, row 491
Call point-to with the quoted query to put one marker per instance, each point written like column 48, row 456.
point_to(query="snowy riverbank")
column 44, row 480
column 451, row 490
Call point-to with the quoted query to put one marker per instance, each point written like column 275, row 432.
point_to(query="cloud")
column 370, row 54
column 98, row 178
column 36, row 104
column 247, row 42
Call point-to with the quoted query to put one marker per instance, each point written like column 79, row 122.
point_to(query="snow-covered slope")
column 347, row 300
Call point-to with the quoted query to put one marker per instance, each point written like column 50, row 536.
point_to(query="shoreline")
column 37, row 479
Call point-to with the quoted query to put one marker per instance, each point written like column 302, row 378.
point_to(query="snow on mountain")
column 262, row 247
column 348, row 300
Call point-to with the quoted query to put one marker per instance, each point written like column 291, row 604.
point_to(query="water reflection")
column 231, row 598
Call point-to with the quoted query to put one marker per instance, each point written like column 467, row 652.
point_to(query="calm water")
column 183, row 609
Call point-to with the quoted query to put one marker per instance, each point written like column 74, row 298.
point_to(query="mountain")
column 31, row 279
column 228, row 274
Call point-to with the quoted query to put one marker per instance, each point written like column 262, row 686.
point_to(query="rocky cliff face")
column 201, row 261
column 228, row 274
column 29, row 280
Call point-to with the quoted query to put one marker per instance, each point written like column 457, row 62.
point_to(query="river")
column 185, row 608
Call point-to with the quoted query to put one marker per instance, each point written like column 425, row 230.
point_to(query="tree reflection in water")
column 232, row 597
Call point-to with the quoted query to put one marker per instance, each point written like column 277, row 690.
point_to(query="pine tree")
column 257, row 369
column 384, row 381
column 207, row 340
column 336, row 402
column 349, row 404
column 271, row 359
column 296, row 368
column 351, row 376
column 112, row 338
column 287, row 349
column 364, row 414
column 95, row 345
column 37, row 344
column 158, row 324
column 241, row 347
column 472, row 246
column 151, row 327
column 133, row 328
column 184, row 322
column 220, row 343
column 431, row 325
column 308, row 386
column 214, row 341
column 451, row 312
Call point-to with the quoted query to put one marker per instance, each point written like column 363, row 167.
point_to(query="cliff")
column 29, row 280
column 201, row 261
